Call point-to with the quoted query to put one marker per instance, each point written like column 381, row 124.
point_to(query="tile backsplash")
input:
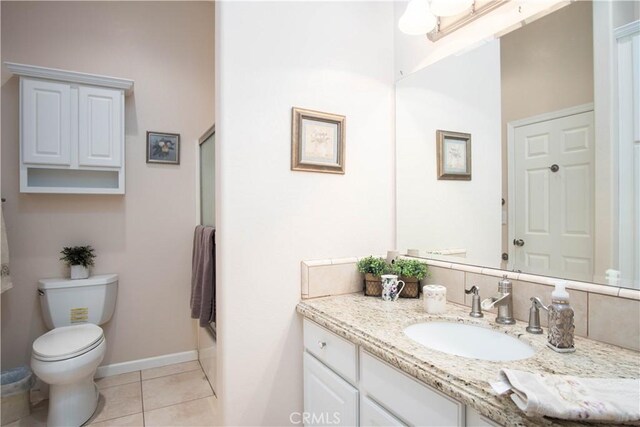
column 330, row 277
column 602, row 313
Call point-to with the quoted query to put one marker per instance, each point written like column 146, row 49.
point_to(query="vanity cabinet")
column 71, row 131
column 366, row 391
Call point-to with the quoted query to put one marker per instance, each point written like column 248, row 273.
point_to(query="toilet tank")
column 67, row 302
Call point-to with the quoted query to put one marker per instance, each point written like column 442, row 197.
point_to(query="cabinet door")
column 372, row 414
column 474, row 419
column 328, row 399
column 46, row 122
column 101, row 131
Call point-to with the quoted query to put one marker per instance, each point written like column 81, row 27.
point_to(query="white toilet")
column 67, row 357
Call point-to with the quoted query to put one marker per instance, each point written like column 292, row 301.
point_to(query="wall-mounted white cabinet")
column 71, row 131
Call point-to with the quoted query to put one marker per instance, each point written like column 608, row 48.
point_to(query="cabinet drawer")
column 328, row 399
column 372, row 414
column 411, row 401
column 336, row 352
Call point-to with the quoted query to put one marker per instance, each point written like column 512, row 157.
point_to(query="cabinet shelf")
column 71, row 181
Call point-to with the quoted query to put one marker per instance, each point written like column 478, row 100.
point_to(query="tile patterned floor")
column 174, row 395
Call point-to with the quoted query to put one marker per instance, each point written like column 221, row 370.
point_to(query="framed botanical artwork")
column 454, row 155
column 317, row 141
column 163, row 148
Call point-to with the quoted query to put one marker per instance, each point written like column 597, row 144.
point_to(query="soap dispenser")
column 561, row 327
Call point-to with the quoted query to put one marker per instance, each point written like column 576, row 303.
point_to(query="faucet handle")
column 534, row 315
column 474, row 290
column 476, row 310
column 537, row 303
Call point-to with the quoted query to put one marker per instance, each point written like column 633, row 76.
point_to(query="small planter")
column 410, row 271
column 411, row 287
column 79, row 259
column 372, row 285
column 79, row 272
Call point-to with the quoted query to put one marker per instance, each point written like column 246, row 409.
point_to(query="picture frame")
column 163, row 148
column 317, row 141
column 453, row 155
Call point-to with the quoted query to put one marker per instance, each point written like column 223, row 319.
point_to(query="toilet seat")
column 67, row 342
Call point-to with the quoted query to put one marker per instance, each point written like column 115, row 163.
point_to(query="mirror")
column 551, row 193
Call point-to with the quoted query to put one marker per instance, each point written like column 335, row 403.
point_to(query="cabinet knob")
column 322, row 344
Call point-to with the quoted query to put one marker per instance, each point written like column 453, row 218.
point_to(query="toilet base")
column 72, row 404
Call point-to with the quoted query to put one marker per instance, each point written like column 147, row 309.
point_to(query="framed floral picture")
column 454, row 155
column 317, row 141
column 163, row 148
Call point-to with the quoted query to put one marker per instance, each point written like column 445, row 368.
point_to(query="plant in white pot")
column 79, row 259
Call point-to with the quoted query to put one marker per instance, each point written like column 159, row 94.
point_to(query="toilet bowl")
column 66, row 358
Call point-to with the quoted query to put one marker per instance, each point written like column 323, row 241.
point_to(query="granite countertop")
column 378, row 326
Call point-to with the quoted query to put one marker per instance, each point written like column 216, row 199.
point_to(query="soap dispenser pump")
column 561, row 327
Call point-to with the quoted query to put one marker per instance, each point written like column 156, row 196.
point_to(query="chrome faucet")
column 504, row 302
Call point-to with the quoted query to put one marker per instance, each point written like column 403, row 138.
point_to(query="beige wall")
column 145, row 236
column 548, row 64
column 545, row 66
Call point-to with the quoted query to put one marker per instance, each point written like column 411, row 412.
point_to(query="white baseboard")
column 149, row 362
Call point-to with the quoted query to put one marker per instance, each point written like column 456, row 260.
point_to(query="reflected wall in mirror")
column 556, row 149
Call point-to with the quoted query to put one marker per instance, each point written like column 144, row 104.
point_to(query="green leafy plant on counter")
column 410, row 268
column 78, row 255
column 373, row 265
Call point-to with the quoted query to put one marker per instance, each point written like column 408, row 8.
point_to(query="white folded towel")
column 572, row 398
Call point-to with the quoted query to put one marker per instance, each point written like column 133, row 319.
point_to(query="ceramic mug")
column 390, row 289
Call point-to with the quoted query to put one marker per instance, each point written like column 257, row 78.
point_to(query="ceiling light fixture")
column 450, row 7
column 417, row 19
column 438, row 18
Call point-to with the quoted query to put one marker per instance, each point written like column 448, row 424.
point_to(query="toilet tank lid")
column 103, row 279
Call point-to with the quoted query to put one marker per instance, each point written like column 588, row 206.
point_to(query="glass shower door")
column 207, row 178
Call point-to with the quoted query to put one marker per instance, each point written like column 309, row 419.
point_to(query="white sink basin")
column 469, row 341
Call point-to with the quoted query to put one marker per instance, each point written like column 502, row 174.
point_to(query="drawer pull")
column 322, row 344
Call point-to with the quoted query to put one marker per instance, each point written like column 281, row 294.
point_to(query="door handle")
column 518, row 242
column 554, row 168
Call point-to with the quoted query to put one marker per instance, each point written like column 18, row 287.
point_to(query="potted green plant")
column 372, row 268
column 410, row 271
column 79, row 259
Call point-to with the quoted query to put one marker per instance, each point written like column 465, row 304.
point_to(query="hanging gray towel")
column 203, row 275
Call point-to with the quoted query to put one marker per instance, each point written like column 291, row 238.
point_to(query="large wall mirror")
column 555, row 149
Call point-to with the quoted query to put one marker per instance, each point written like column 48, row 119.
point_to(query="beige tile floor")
column 174, row 395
